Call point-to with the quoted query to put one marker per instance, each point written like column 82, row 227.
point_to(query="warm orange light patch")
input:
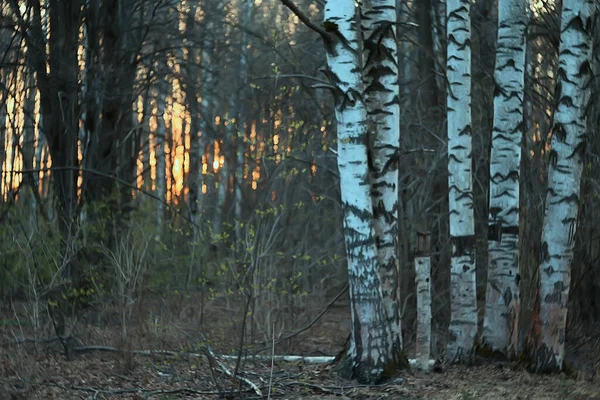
column 216, row 157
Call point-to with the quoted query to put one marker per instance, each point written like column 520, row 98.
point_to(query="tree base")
column 485, row 352
column 348, row 368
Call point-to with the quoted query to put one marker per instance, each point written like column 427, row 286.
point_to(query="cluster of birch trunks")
column 362, row 57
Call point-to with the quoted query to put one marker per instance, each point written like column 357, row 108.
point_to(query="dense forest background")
column 186, row 163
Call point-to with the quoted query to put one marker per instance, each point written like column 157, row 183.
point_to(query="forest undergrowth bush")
column 153, row 290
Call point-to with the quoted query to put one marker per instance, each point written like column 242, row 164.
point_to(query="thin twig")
column 311, row 323
column 113, row 392
column 108, row 176
column 300, row 76
column 272, row 362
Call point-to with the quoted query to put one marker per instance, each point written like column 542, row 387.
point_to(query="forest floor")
column 41, row 371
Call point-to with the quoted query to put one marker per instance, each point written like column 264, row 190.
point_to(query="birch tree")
column 569, row 134
column 383, row 107
column 369, row 347
column 367, row 115
column 500, row 327
column 423, row 283
column 463, row 319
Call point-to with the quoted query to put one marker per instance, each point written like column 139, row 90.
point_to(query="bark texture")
column 423, row 282
column 383, row 108
column 369, row 347
column 500, row 327
column 569, row 134
column 463, row 319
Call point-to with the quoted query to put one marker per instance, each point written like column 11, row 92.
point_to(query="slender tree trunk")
column 369, row 349
column 221, row 182
column 240, row 148
column 438, row 33
column 428, row 87
column 207, row 121
column 28, row 145
column 383, row 105
column 40, row 148
column 500, row 327
column 463, row 318
column 3, row 115
column 159, row 149
column 547, row 337
column 423, row 282
column 146, row 143
column 405, row 50
column 197, row 134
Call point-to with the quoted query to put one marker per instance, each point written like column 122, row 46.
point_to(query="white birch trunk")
column 382, row 98
column 564, row 180
column 500, row 327
column 463, row 319
column 369, row 348
column 423, row 283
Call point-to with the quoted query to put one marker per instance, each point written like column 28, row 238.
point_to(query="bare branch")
column 305, row 20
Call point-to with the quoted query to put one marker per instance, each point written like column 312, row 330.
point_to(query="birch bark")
column 569, row 135
column 500, row 327
column 463, row 319
column 423, row 283
column 369, row 347
column 380, row 74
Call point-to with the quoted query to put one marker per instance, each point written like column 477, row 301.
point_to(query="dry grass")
column 40, row 371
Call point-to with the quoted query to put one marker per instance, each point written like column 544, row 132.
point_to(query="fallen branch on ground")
column 114, row 392
column 174, row 354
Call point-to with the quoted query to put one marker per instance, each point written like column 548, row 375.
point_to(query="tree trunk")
column 145, row 140
column 500, row 326
column 383, row 107
column 28, row 146
column 197, row 134
column 438, row 34
column 547, row 337
column 463, row 318
column 240, row 112
column 428, row 87
column 3, row 115
column 369, row 349
column 159, row 151
column 423, row 282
